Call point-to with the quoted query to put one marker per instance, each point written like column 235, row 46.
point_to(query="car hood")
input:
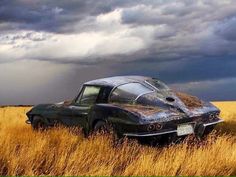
column 40, row 108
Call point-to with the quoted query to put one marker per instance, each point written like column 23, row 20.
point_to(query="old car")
column 132, row 106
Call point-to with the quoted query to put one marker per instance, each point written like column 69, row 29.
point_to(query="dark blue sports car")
column 131, row 106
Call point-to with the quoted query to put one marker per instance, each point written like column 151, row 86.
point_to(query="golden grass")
column 63, row 152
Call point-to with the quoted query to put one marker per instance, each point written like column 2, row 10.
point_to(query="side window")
column 89, row 95
column 103, row 95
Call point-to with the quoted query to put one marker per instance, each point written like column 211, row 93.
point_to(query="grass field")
column 64, row 152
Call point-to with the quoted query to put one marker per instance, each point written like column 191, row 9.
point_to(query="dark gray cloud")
column 211, row 90
column 182, row 71
column 162, row 29
column 34, row 82
column 49, row 47
column 54, row 15
column 39, row 15
column 227, row 29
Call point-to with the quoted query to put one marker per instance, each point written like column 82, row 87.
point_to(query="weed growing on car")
column 61, row 151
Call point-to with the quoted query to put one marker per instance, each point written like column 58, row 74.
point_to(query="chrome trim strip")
column 212, row 123
column 28, row 121
column 151, row 85
column 149, row 134
column 109, row 96
column 143, row 94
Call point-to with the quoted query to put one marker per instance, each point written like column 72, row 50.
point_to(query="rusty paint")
column 190, row 101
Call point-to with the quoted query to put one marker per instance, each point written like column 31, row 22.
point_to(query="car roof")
column 117, row 80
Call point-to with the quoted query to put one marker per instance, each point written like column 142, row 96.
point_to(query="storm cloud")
column 181, row 41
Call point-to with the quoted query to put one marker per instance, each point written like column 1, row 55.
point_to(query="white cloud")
column 57, row 46
column 88, row 31
column 169, row 29
column 113, row 17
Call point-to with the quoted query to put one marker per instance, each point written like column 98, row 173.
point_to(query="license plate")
column 184, row 129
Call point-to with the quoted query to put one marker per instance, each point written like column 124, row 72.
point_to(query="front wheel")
column 38, row 123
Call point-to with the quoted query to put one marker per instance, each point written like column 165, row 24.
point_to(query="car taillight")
column 213, row 116
column 158, row 126
column 153, row 127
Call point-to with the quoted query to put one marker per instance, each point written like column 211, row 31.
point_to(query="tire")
column 102, row 127
column 38, row 123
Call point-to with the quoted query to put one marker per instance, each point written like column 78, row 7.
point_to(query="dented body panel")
column 148, row 108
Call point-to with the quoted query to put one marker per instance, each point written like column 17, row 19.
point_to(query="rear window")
column 158, row 84
column 127, row 93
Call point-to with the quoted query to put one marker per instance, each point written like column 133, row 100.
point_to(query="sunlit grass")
column 61, row 151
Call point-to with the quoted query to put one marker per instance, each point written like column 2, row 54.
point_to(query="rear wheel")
column 105, row 127
column 38, row 123
column 102, row 127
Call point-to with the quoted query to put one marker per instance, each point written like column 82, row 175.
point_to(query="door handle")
column 84, row 113
column 72, row 107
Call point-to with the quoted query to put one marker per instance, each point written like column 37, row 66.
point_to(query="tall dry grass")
column 65, row 152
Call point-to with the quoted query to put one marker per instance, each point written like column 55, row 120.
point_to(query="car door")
column 81, row 107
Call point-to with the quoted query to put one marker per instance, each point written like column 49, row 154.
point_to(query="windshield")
column 158, row 84
column 128, row 93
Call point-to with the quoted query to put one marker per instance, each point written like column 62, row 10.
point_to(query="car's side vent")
column 170, row 99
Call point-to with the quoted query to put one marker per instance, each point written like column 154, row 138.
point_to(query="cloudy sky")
column 49, row 47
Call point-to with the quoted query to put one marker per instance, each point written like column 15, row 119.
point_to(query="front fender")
column 43, row 110
column 38, row 109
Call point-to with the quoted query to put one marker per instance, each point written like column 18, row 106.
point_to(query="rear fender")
column 111, row 114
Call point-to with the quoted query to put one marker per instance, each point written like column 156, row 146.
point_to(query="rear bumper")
column 149, row 134
column 213, row 123
column 205, row 125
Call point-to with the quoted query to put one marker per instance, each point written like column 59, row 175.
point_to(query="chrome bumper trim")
column 213, row 123
column 149, row 134
column 166, row 132
column 28, row 121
